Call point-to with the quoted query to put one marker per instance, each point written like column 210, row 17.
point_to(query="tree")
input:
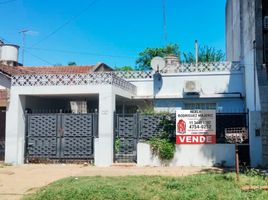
column 145, row 57
column 71, row 63
column 124, row 68
column 205, row 54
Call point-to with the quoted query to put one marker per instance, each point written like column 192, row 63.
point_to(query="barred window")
column 200, row 106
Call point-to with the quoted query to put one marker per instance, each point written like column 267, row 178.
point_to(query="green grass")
column 201, row 187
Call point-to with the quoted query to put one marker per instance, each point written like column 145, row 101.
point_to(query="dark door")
column 2, row 132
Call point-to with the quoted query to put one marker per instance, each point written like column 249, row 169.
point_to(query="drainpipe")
column 254, row 73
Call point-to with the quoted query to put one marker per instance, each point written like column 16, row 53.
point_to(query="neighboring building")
column 247, row 42
column 8, row 56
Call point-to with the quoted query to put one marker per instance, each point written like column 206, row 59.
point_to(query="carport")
column 47, row 97
column 56, row 132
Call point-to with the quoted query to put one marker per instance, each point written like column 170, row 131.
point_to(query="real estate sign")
column 195, row 127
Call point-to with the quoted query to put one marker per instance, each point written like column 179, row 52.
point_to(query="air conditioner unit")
column 191, row 88
column 265, row 23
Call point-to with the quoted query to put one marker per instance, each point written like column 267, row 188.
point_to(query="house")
column 41, row 124
column 246, row 42
column 5, row 84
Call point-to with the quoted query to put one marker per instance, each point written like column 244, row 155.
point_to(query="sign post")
column 235, row 136
column 195, row 127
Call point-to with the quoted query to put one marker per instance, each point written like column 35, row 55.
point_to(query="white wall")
column 255, row 141
column 240, row 36
column 233, row 36
column 211, row 84
column 190, row 155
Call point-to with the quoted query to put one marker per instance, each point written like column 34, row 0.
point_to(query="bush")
column 163, row 148
column 117, row 145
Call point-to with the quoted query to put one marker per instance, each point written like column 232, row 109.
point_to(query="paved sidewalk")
column 15, row 181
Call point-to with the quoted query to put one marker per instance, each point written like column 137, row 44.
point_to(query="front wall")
column 190, row 155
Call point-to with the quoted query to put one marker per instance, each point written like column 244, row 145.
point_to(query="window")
column 200, row 106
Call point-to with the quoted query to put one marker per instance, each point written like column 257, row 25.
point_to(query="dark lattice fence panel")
column 229, row 120
column 150, row 126
column 42, row 136
column 60, row 136
column 126, row 138
column 77, row 141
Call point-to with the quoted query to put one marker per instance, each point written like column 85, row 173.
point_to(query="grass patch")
column 201, row 187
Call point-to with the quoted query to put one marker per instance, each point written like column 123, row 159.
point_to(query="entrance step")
column 124, row 165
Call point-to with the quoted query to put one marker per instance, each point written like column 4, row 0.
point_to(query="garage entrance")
column 60, row 136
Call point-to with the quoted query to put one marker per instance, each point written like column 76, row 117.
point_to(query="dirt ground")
column 15, row 181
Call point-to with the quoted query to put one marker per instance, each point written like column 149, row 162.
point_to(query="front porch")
column 53, row 94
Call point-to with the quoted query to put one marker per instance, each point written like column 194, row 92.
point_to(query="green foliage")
column 145, row 57
column 205, row 54
column 163, row 148
column 71, row 63
column 117, row 145
column 147, row 109
column 169, row 127
column 164, row 145
column 252, row 172
column 197, row 187
column 124, row 68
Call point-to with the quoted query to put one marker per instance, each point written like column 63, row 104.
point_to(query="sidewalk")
column 15, row 181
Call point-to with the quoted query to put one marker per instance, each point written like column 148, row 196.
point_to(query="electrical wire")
column 65, row 23
column 39, row 58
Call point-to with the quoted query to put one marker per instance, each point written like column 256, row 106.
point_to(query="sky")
column 113, row 32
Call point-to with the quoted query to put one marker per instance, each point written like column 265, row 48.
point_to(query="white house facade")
column 41, row 123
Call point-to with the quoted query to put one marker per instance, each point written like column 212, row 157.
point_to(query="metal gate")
column 60, row 136
column 126, row 138
column 129, row 129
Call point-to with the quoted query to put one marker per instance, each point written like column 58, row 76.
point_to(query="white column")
column 103, row 155
column 15, row 130
column 255, row 141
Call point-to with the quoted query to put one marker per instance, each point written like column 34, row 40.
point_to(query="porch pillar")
column 103, row 146
column 15, row 130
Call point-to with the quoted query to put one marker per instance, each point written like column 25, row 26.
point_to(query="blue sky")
column 113, row 32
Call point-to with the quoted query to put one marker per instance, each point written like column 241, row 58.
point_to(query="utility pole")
column 196, row 52
column 23, row 32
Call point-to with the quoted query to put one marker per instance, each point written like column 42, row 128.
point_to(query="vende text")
column 195, row 139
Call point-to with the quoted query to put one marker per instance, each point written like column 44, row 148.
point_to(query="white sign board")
column 195, row 127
